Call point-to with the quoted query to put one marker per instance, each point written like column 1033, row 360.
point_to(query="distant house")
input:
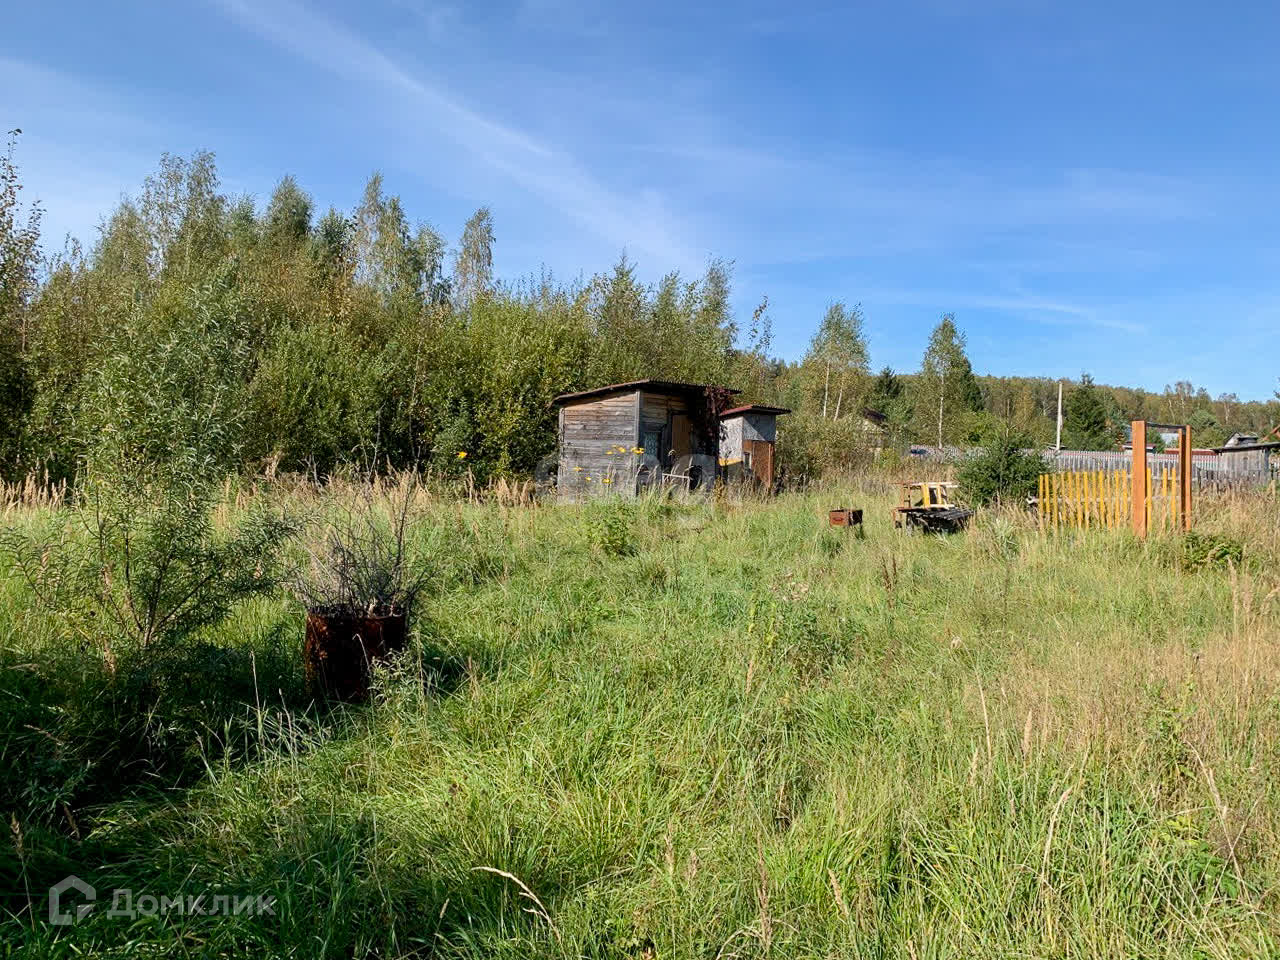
column 1250, row 461
column 747, row 438
column 617, row 438
column 875, row 429
column 1241, row 439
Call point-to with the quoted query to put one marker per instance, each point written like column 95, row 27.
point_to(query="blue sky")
column 1088, row 186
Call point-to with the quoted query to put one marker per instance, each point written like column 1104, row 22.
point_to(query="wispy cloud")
column 643, row 223
column 1029, row 307
column 81, row 149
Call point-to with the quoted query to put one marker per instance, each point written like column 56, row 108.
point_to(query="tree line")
column 205, row 329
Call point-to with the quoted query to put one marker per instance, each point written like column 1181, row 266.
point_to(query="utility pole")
column 1057, row 446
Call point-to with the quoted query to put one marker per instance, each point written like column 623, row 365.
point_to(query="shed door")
column 681, row 434
column 761, row 454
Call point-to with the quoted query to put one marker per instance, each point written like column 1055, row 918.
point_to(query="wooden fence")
column 1103, row 499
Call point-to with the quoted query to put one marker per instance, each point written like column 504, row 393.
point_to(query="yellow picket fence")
column 1083, row 499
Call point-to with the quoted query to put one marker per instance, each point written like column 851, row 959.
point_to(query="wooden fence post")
column 1184, row 477
column 1138, row 476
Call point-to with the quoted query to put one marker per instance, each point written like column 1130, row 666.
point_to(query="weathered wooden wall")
column 656, row 410
column 589, row 429
column 1247, row 463
column 740, row 434
column 735, row 431
column 599, row 437
column 731, row 440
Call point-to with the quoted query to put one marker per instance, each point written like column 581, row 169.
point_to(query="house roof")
column 1238, row 438
column 752, row 408
column 875, row 416
column 653, row 386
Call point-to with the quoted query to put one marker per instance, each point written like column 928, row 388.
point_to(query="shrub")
column 314, row 399
column 126, row 585
column 810, row 446
column 609, row 528
column 167, row 401
column 365, row 563
column 1200, row 550
column 140, row 565
column 1003, row 471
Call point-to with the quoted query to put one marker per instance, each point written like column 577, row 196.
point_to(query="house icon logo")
column 64, row 917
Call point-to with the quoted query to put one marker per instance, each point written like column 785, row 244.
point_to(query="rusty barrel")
column 844, row 518
column 340, row 651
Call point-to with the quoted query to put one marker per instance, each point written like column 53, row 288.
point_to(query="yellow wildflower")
column 577, row 469
column 607, row 480
column 462, row 454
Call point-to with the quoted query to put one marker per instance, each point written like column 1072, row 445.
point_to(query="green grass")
column 718, row 730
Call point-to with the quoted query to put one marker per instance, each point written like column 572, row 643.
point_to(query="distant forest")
column 250, row 336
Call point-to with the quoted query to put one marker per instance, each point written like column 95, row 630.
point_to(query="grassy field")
column 712, row 730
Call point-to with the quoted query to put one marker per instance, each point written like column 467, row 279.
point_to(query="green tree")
column 1205, row 429
column 19, row 258
column 948, row 394
column 473, row 266
column 1084, row 422
column 404, row 266
column 890, row 397
column 288, row 217
column 837, row 359
column 184, row 217
column 886, row 391
column 1004, row 470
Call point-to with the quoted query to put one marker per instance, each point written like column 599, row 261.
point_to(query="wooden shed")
column 616, row 438
column 747, row 438
column 1256, row 462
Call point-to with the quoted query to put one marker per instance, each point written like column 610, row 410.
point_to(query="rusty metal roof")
column 655, row 386
column 753, row 408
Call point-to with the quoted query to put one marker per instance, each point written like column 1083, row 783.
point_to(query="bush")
column 140, row 566
column 314, row 399
column 365, row 563
column 610, row 529
column 1200, row 550
column 810, row 446
column 1004, row 471
column 125, row 586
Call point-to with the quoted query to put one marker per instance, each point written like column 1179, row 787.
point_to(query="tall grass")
column 724, row 730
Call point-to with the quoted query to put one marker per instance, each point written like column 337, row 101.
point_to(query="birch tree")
column 837, row 359
column 947, row 389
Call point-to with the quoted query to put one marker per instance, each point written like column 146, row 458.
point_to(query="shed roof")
column 753, row 408
column 875, row 416
column 1247, row 447
column 653, row 386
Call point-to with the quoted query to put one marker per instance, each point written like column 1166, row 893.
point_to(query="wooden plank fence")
column 1102, row 499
